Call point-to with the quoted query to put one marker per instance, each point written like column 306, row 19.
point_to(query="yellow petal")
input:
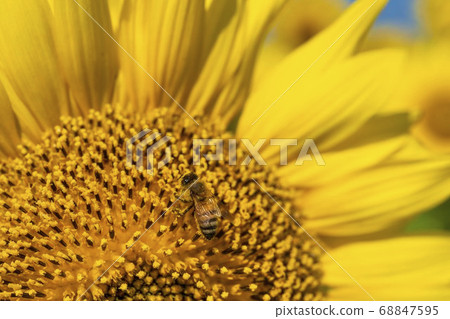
column 339, row 164
column 28, row 59
column 163, row 39
column 115, row 8
column 9, row 126
column 380, row 197
column 387, row 36
column 87, row 55
column 376, row 141
column 331, row 107
column 297, row 22
column 302, row 19
column 332, row 45
column 405, row 268
column 236, row 29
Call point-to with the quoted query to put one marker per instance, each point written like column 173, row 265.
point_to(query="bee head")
column 187, row 179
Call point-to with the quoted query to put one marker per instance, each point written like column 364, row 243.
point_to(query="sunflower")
column 425, row 93
column 298, row 21
column 430, row 70
column 79, row 80
column 433, row 17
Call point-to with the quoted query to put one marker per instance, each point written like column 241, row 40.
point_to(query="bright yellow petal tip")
column 405, row 268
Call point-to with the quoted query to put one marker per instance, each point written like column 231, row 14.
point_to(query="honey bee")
column 206, row 209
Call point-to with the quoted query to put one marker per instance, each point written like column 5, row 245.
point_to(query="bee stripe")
column 208, row 228
column 208, row 225
column 209, row 236
column 212, row 221
column 208, row 231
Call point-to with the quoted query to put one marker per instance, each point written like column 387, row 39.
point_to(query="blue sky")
column 398, row 12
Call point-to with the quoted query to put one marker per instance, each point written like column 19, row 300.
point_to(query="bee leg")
column 188, row 209
column 186, row 201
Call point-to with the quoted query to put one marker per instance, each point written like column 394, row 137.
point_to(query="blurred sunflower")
column 433, row 17
column 425, row 92
column 71, row 207
column 298, row 21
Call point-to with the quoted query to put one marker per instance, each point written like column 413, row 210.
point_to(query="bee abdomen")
column 209, row 227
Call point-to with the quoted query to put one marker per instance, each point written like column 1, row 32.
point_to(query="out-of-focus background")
column 403, row 23
column 402, row 14
column 399, row 13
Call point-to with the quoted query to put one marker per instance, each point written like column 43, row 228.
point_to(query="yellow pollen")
column 71, row 206
column 186, row 276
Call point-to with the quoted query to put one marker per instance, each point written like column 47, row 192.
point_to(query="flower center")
column 437, row 117
column 71, row 206
column 434, row 125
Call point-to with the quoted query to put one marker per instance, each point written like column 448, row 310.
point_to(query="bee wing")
column 207, row 207
column 224, row 210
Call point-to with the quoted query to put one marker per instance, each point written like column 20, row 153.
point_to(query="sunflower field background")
column 367, row 80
